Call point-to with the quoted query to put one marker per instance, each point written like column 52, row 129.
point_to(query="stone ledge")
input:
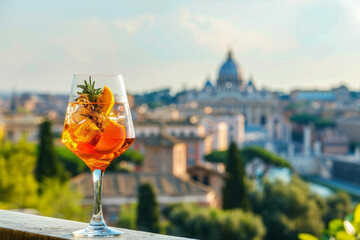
column 21, row 226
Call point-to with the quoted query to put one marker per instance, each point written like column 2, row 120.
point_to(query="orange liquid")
column 96, row 140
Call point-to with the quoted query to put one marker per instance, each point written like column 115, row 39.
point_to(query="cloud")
column 87, row 39
column 133, row 26
column 16, row 54
column 219, row 34
column 353, row 7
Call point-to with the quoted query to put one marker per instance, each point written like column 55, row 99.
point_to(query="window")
column 195, row 178
column 191, row 162
column 206, row 180
column 263, row 120
column 191, row 149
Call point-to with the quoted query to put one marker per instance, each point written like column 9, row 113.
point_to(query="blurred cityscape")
column 316, row 131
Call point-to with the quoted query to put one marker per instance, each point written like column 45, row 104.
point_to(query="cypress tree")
column 47, row 164
column 234, row 190
column 147, row 210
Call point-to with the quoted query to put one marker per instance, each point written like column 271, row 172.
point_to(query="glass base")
column 102, row 231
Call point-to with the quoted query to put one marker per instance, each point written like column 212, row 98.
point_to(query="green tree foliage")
column 267, row 157
column 288, row 209
column 192, row 221
column 339, row 205
column 319, row 122
column 127, row 216
column 216, row 157
column 72, row 164
column 57, row 199
column 250, row 153
column 339, row 229
column 18, row 187
column 130, row 156
column 234, row 190
column 47, row 165
column 148, row 210
column 303, row 118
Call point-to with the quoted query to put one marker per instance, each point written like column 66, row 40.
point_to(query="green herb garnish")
column 89, row 90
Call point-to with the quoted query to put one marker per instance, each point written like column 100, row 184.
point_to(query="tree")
column 127, row 216
column 148, row 210
column 339, row 205
column 72, row 163
column 18, row 187
column 193, row 221
column 249, row 154
column 268, row 158
column 288, row 209
column 216, row 157
column 129, row 156
column 47, row 165
column 58, row 199
column 234, row 190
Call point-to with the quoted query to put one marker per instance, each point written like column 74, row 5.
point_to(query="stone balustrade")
column 15, row 225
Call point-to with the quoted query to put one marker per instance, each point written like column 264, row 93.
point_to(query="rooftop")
column 126, row 184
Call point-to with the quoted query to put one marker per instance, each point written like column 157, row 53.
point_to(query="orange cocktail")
column 98, row 128
column 94, row 129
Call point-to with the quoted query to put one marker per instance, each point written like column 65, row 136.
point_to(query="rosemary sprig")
column 89, row 90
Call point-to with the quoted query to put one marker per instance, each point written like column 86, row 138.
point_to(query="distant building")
column 312, row 95
column 219, row 132
column 16, row 126
column 231, row 94
column 163, row 153
column 235, row 126
column 121, row 188
column 209, row 177
column 350, row 127
column 193, row 134
column 341, row 94
column 335, row 145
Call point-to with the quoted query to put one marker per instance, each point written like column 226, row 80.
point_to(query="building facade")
column 230, row 95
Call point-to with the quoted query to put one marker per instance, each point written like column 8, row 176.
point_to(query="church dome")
column 230, row 77
column 229, row 68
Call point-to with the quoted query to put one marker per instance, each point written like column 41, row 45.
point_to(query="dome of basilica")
column 229, row 68
column 230, row 77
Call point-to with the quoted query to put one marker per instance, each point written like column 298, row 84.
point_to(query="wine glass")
column 98, row 128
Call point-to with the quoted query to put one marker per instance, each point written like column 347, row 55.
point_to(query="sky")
column 283, row 44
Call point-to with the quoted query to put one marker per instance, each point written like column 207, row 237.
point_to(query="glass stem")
column 97, row 220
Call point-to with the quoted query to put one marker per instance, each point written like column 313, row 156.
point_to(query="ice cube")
column 78, row 117
column 102, row 121
column 87, row 132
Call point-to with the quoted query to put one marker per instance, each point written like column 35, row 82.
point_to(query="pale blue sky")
column 284, row 44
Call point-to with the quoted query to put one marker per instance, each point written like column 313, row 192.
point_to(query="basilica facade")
column 231, row 94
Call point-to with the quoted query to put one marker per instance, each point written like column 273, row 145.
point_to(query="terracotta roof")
column 163, row 140
column 202, row 168
column 126, row 184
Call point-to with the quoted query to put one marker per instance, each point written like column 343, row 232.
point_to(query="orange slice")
column 111, row 139
column 106, row 100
